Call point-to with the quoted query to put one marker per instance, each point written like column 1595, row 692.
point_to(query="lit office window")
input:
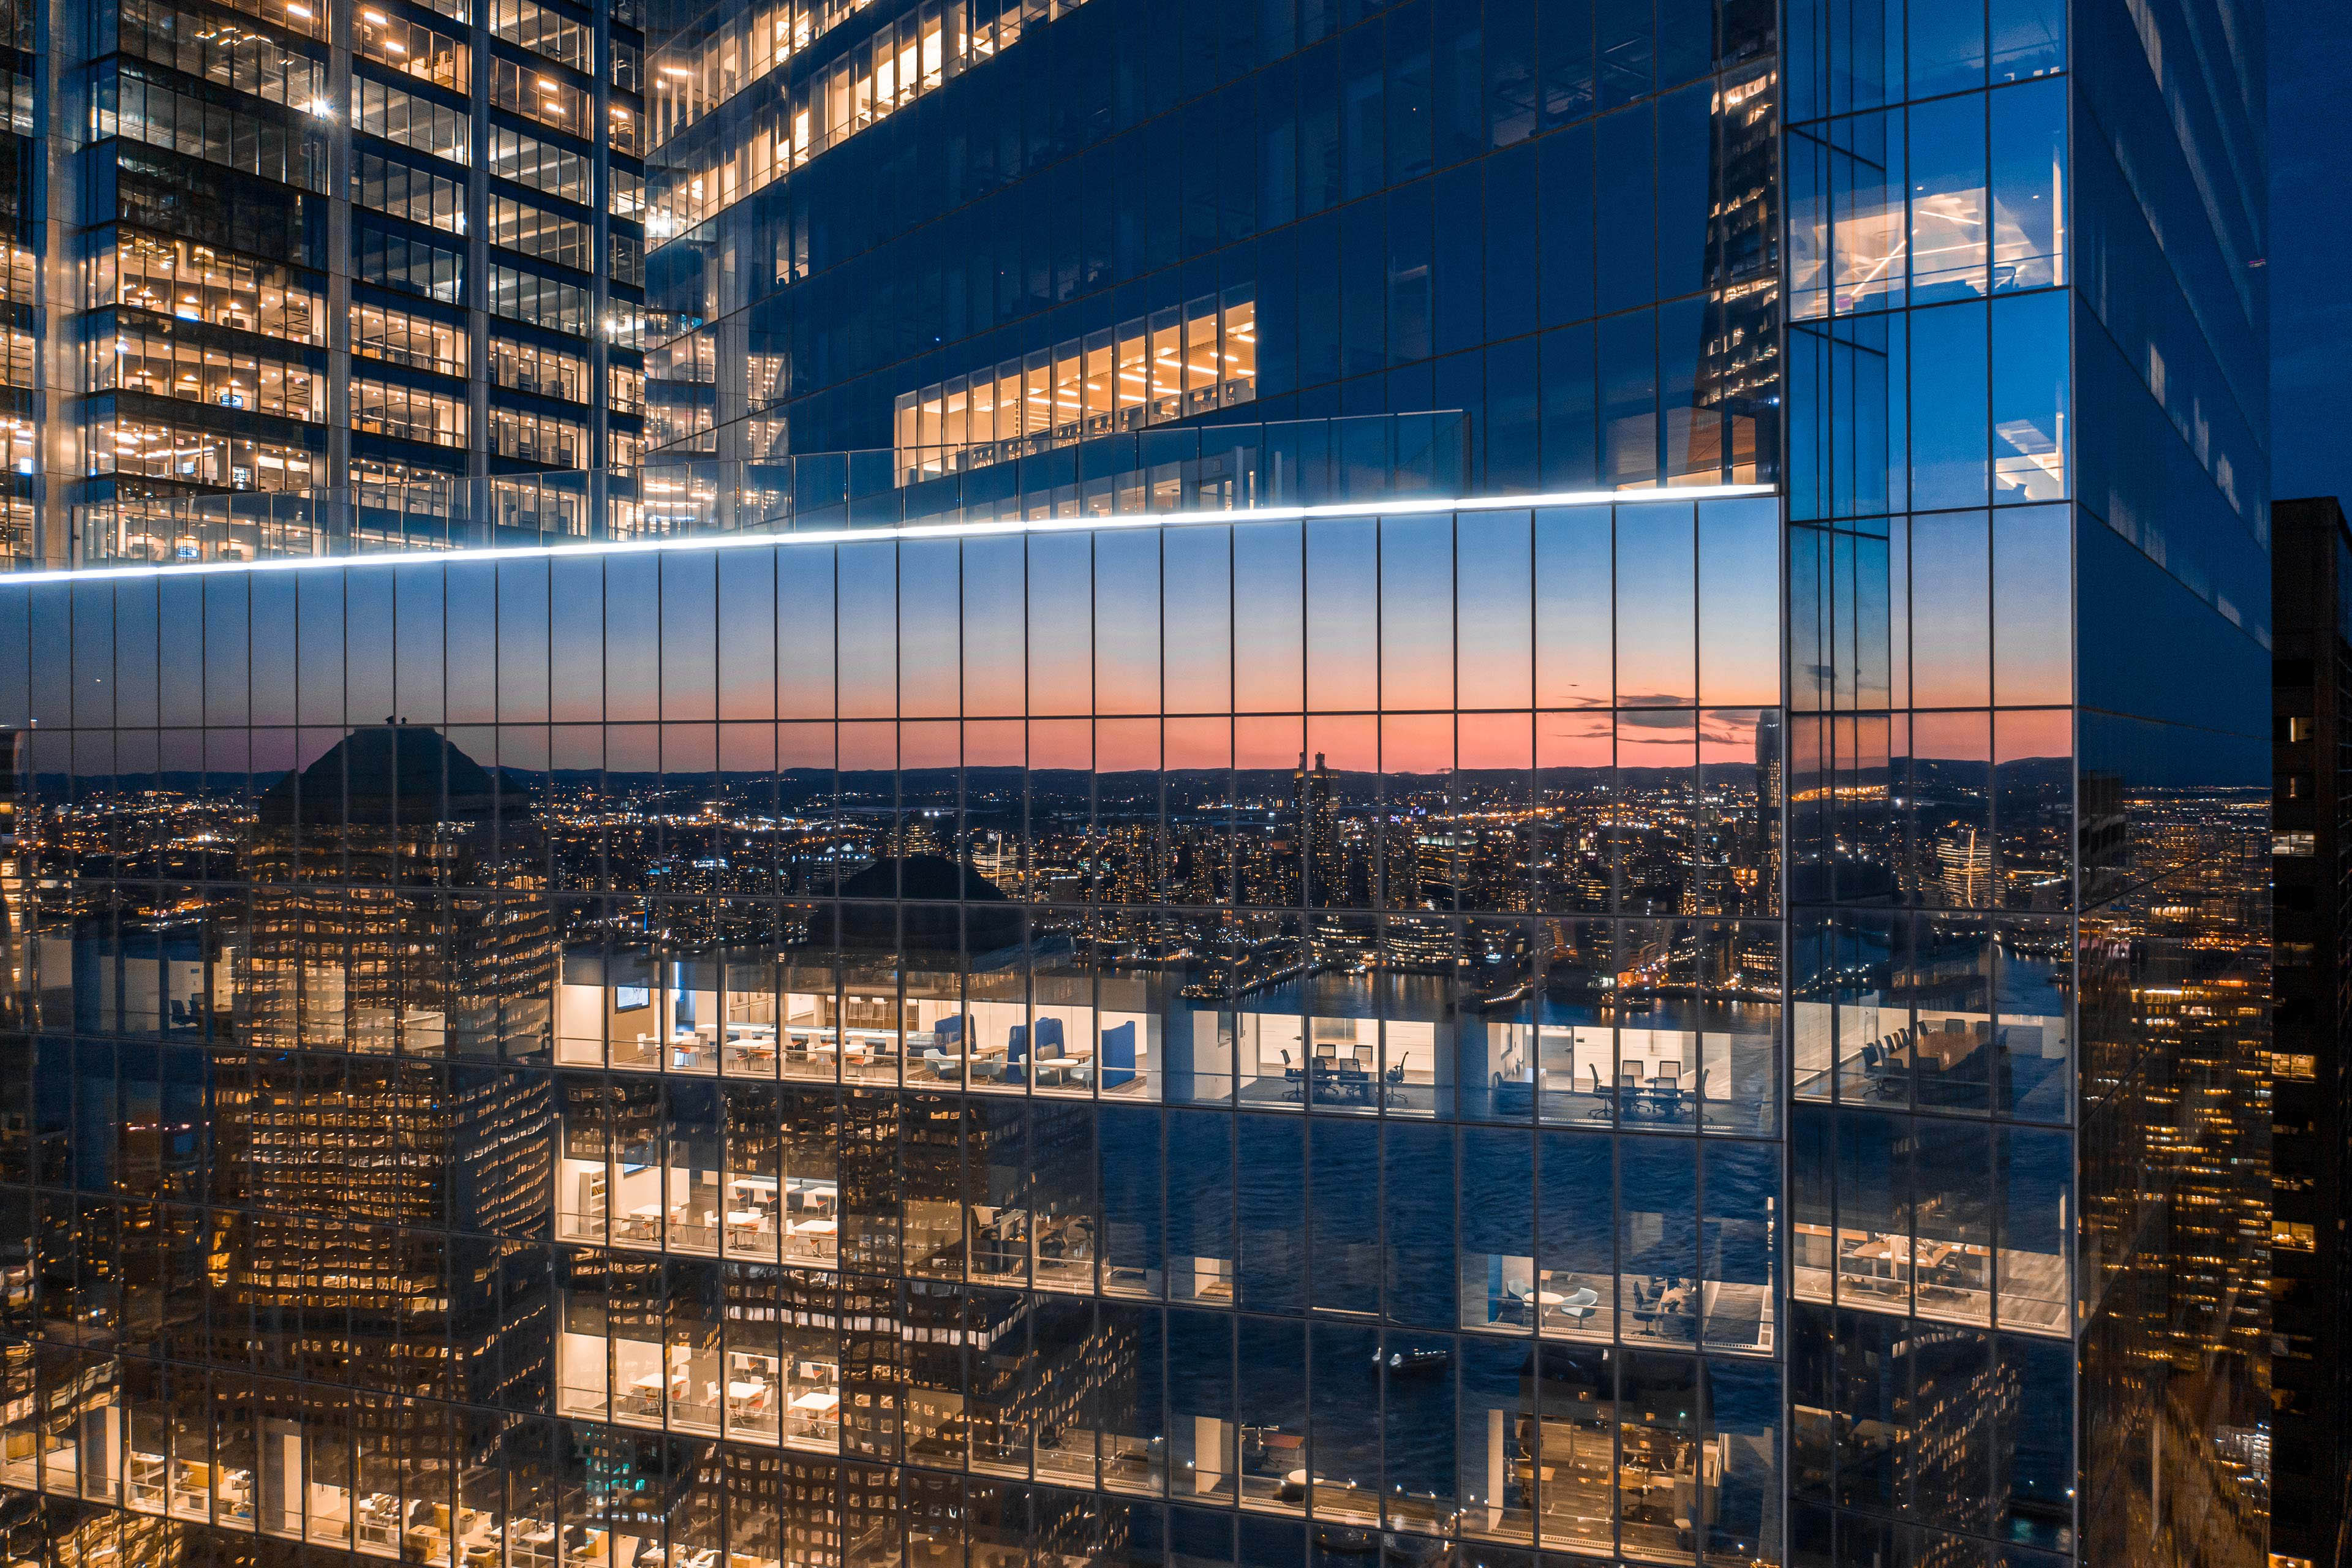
column 419, row 51
column 542, row 302
column 197, row 283
column 223, row 53
column 541, row 370
column 406, row 190
column 628, row 260
column 1176, row 363
column 544, row 167
column 405, row 337
column 545, row 31
column 550, row 99
column 897, row 63
column 539, row 437
column 625, row 389
column 385, row 408
column 164, row 364
column 628, row 193
column 420, row 123
column 276, row 145
column 536, row 231
column 153, row 448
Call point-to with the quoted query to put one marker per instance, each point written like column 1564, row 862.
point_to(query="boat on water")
column 1416, row 1361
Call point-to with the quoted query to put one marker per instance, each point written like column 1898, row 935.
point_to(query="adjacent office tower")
column 2311, row 677
column 368, row 269
column 1460, row 781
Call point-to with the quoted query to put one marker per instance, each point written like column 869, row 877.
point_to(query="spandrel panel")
column 1657, row 600
column 1061, row 624
column 688, row 648
column 1492, row 610
column 469, row 646
column 228, row 652
column 1574, row 578
column 995, row 628
column 1126, row 622
column 1418, row 636
column 1197, row 617
column 929, row 629
column 748, row 626
column 866, row 630
column 524, row 644
column 136, row 634
column 1343, row 615
column 1738, row 565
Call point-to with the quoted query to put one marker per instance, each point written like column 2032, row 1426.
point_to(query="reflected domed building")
column 380, row 928
column 375, row 922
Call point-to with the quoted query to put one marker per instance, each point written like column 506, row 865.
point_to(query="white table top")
column 745, row 1390
column 816, row 1227
column 651, row 1381
column 647, row 1211
column 754, row 1184
column 817, row 1401
column 744, row 1216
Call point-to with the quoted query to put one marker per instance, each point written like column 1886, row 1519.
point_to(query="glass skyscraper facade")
column 1212, row 783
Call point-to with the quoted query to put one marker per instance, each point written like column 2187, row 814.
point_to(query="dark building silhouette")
column 2310, row 860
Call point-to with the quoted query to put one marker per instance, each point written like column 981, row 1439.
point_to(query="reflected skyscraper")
column 1454, row 782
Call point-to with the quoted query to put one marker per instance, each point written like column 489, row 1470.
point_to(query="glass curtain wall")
column 2007, row 1131
column 1062, row 1043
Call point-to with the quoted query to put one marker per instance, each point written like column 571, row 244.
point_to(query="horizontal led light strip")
column 1683, row 494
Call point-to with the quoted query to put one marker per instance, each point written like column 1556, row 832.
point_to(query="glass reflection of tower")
column 375, row 936
column 1316, row 813
column 374, row 930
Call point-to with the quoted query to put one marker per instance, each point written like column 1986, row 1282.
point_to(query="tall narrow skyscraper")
column 2311, row 1289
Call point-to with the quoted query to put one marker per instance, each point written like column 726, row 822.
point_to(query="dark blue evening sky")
column 2310, row 235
